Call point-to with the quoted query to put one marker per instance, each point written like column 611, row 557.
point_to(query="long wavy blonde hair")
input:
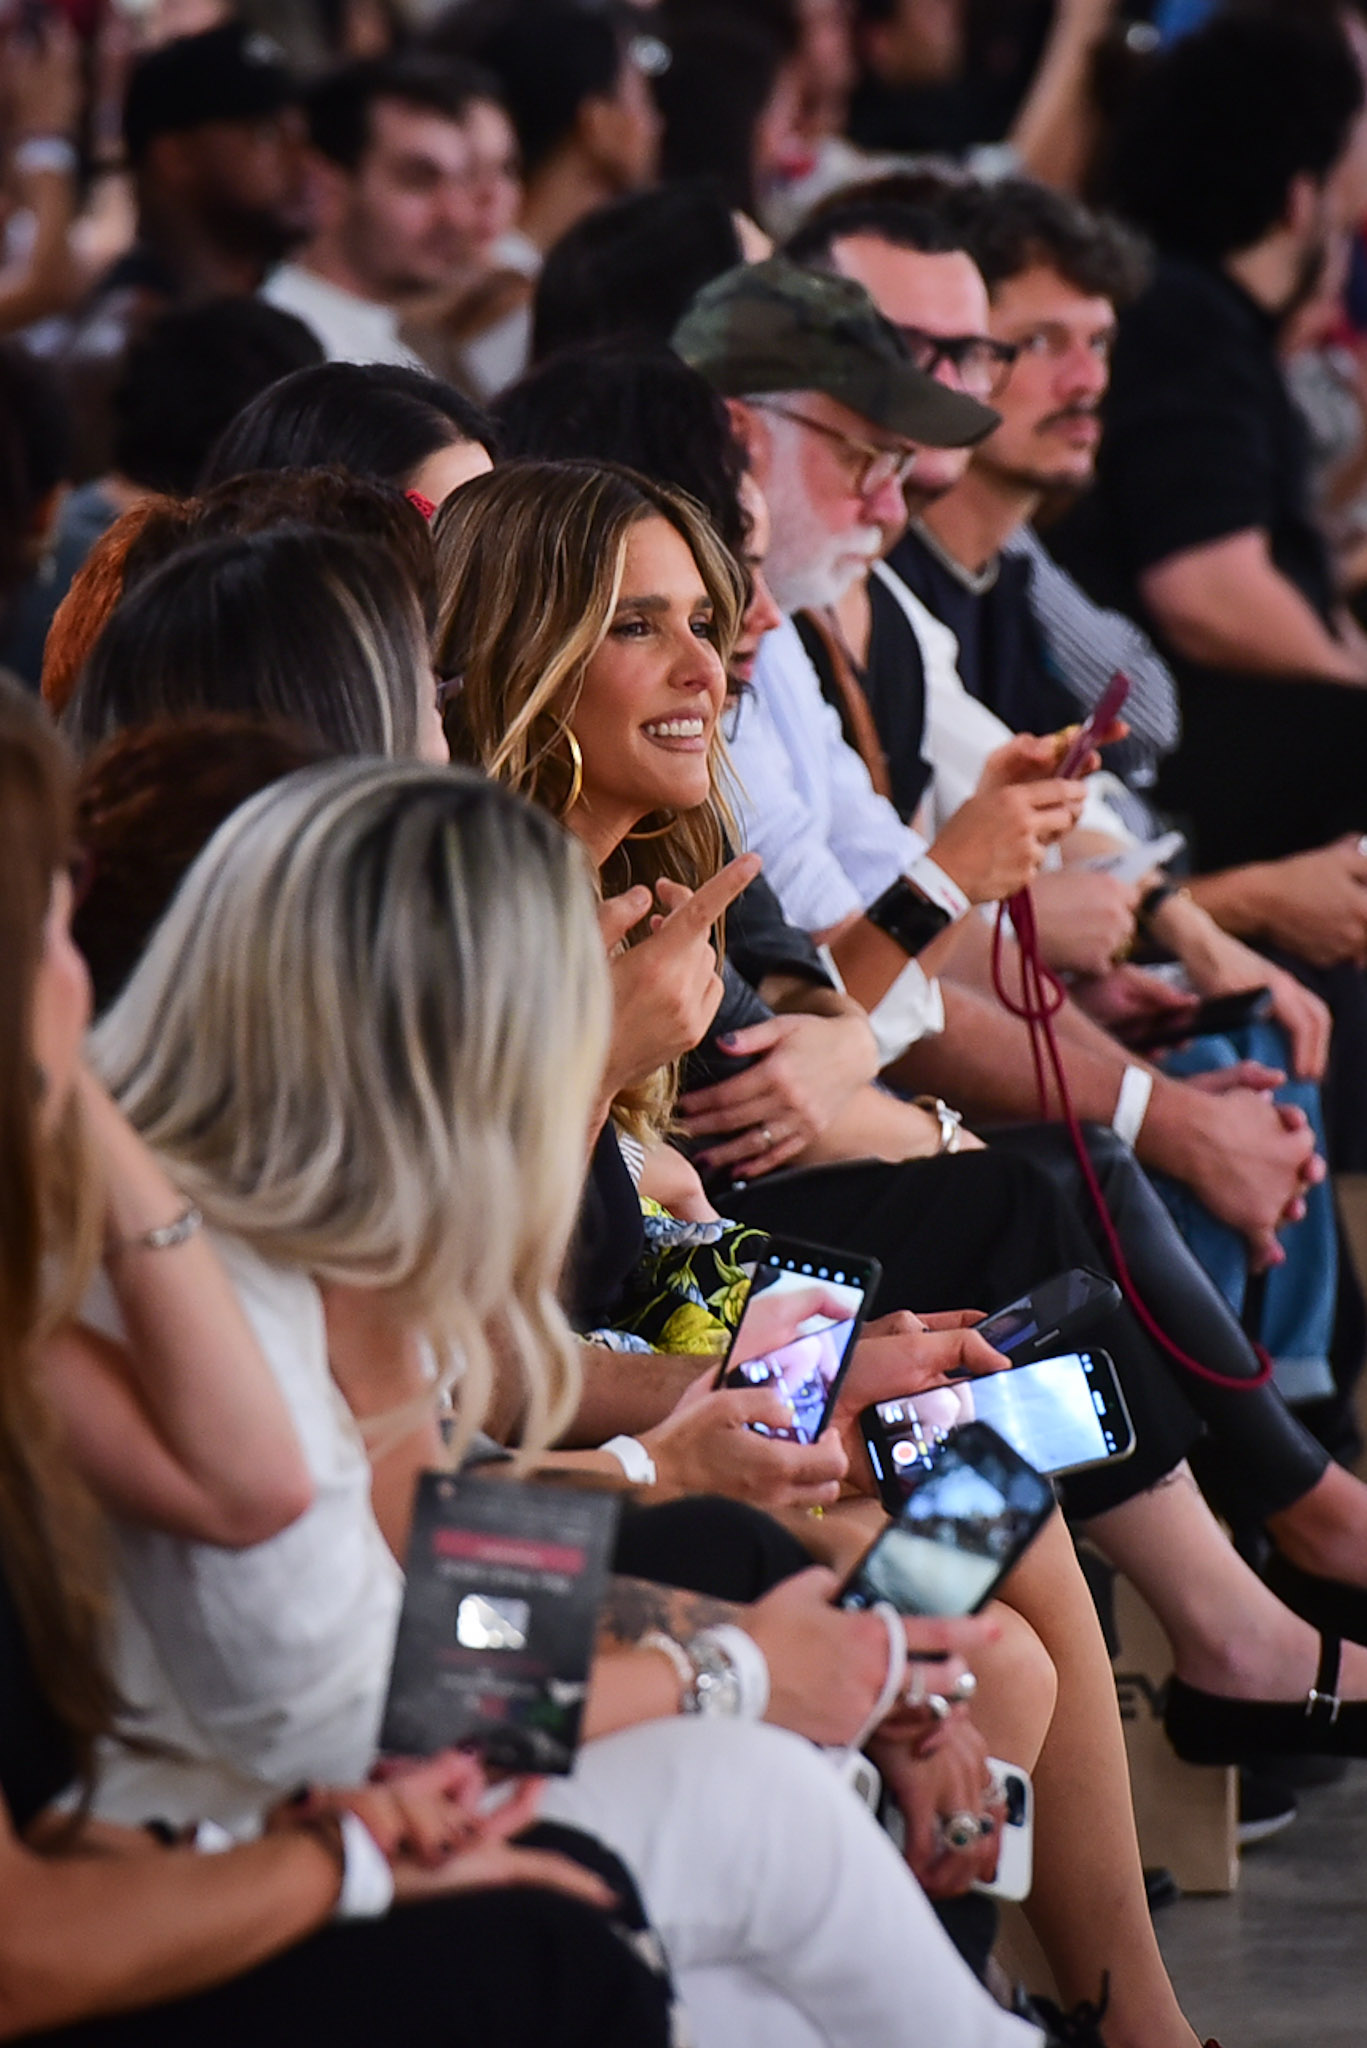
column 367, row 1037
column 530, row 560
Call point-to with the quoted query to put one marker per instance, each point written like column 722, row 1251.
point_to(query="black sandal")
column 1209, row 1728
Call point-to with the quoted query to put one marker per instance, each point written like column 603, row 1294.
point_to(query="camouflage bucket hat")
column 772, row 326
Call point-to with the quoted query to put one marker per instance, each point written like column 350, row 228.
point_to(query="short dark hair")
column 548, row 56
column 191, row 372
column 1219, row 127
column 377, row 420
column 630, row 270
column 905, row 226
column 340, row 105
column 645, row 410
column 1015, row 225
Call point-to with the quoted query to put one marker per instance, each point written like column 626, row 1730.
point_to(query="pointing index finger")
column 706, row 904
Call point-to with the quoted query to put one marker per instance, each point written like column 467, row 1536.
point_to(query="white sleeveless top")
column 268, row 1666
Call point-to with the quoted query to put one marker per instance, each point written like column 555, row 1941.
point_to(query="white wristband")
column 1132, row 1104
column 634, row 1459
column 367, row 1881
column 931, row 879
column 895, row 1675
column 749, row 1662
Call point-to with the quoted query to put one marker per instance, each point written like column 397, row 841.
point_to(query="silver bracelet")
column 166, row 1236
column 656, row 1639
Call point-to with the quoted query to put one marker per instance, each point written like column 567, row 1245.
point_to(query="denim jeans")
column 1297, row 1318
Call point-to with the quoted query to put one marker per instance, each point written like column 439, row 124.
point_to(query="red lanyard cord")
column 1041, row 997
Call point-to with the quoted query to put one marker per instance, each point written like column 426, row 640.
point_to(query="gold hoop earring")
column 658, row 833
column 576, row 772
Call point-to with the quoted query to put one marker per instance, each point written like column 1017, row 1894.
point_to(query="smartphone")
column 971, row 1513
column 1052, row 1316
column 797, row 1330
column 1219, row 1015
column 1016, row 1858
column 1062, row 1414
column 1107, row 708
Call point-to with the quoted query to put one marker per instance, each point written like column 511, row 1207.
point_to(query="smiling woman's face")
column 651, row 696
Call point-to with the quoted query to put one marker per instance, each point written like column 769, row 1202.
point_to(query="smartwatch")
column 908, row 916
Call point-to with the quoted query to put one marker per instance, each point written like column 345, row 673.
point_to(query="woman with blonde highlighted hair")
column 584, row 620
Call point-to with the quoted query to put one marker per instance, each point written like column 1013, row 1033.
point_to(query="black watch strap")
column 908, row 916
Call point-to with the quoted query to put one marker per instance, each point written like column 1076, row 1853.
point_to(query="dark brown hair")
column 49, row 1529
column 147, row 803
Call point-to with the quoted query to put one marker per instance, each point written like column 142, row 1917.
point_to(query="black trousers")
column 496, row 1969
column 973, row 1229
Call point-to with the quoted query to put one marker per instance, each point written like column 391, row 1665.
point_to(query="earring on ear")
column 576, row 772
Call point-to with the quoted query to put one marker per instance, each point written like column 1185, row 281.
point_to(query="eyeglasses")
column 871, row 467
column 981, row 365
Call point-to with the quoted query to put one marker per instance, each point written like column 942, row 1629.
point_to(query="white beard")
column 808, row 567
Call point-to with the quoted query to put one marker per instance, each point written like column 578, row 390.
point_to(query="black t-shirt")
column 1202, row 441
column 1003, row 661
column 35, row 1755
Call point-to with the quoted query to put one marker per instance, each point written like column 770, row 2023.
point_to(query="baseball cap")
column 774, row 326
column 226, row 74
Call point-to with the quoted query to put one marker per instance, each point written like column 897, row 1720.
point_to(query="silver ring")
column 961, row 1830
column 914, row 1691
column 766, row 1136
column 964, row 1687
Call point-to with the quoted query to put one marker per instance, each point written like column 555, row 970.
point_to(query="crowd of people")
column 553, row 557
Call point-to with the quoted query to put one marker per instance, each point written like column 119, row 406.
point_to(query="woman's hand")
column 666, row 989
column 432, row 1821
column 827, row 1666
column 707, row 1446
column 807, row 1070
column 932, row 1778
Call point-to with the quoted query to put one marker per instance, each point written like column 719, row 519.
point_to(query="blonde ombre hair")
column 530, row 560
column 366, row 1039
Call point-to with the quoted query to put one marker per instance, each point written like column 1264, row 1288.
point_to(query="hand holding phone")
column 1103, row 715
column 1062, row 1415
column 797, row 1330
column 966, row 1520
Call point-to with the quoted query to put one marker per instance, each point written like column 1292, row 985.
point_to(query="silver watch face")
column 716, row 1688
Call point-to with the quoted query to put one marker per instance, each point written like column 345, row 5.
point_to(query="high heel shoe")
column 1209, row 1728
column 1324, row 1603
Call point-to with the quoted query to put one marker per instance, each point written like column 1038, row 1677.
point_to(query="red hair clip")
column 424, row 505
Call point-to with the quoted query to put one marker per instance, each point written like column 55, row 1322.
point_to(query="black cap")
column 773, row 326
column 227, row 74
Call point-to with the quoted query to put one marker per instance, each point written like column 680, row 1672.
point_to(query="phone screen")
column 798, row 1324
column 966, row 1521
column 1047, row 1309
column 1059, row 1413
